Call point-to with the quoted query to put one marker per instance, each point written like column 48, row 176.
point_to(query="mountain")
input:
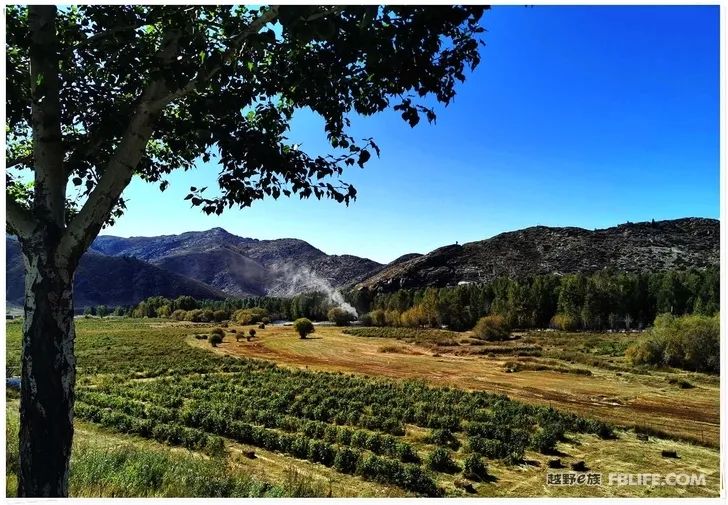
column 242, row 266
column 217, row 264
column 648, row 246
column 107, row 280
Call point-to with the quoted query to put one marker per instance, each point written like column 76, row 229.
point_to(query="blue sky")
column 577, row 116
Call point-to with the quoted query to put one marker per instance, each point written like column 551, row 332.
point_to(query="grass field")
column 153, row 395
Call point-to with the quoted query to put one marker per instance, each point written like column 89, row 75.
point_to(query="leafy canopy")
column 229, row 79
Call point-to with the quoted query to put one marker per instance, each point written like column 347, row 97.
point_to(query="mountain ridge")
column 537, row 250
column 218, row 264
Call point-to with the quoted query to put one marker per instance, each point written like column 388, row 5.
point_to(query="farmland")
column 373, row 412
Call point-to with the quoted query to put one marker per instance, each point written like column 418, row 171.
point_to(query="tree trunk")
column 48, row 373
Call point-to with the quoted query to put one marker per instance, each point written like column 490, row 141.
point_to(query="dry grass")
column 399, row 349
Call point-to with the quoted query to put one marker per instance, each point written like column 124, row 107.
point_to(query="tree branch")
column 50, row 178
column 84, row 227
column 19, row 219
column 235, row 45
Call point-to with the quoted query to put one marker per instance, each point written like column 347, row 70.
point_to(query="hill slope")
column 107, row 280
column 662, row 245
column 242, row 266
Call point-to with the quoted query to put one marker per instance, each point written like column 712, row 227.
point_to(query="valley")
column 360, row 411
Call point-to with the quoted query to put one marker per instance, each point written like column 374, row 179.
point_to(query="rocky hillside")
column 106, row 280
column 242, row 266
column 649, row 246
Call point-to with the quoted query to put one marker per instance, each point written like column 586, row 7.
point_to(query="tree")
column 303, row 327
column 492, row 328
column 97, row 95
column 340, row 317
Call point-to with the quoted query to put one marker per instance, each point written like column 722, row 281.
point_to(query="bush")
column 544, row 440
column 303, row 327
column 215, row 339
column 564, row 322
column 440, row 461
column 250, row 316
column 366, row 319
column 179, row 315
column 220, row 315
column 688, row 342
column 378, row 317
column 392, row 318
column 492, row 328
column 475, row 468
column 218, row 331
column 443, row 436
column 340, row 316
column 251, row 334
column 406, row 453
column 346, row 460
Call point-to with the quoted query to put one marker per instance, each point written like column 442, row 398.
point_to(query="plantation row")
column 364, row 403
column 211, row 418
column 346, row 460
column 352, row 424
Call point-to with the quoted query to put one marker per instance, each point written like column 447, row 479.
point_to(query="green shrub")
column 441, row 461
column 443, row 436
column 492, row 328
column 250, row 316
column 215, row 339
column 303, row 327
column 475, row 468
column 378, row 317
column 687, row 342
column 340, row 317
column 218, row 331
column 564, row 322
column 544, row 440
column 346, row 460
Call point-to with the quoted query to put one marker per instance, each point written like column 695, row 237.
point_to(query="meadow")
column 369, row 412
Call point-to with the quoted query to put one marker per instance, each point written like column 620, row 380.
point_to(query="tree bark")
column 48, row 372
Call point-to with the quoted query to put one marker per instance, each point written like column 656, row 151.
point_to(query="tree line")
column 315, row 306
column 599, row 301
column 603, row 300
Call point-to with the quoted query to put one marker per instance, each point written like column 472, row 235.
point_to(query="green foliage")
column 340, row 316
column 688, row 342
column 444, row 437
column 215, row 339
column 492, row 328
column 252, row 315
column 546, row 438
column 303, row 327
column 218, row 331
column 475, row 468
column 564, row 322
column 603, row 300
column 441, row 461
column 410, row 335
